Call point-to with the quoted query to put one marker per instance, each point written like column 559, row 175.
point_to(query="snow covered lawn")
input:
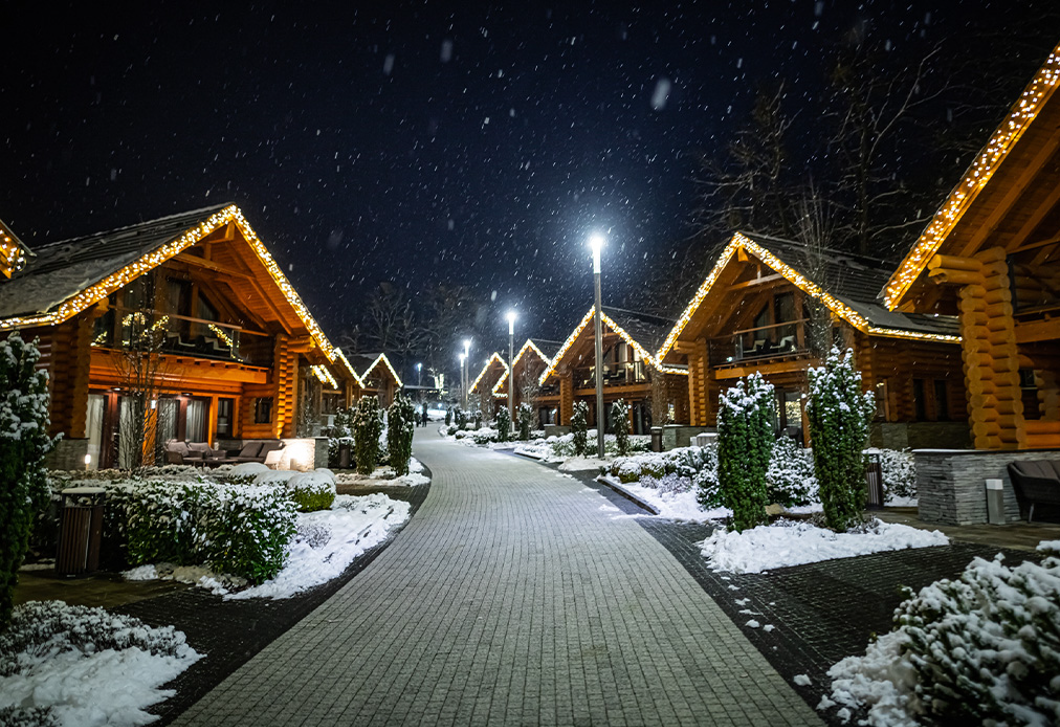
column 86, row 667
column 384, row 476
column 327, row 541
column 789, row 542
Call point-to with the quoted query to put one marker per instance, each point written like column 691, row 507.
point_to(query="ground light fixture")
column 596, row 243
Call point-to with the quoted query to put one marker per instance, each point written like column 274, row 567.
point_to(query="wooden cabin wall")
column 65, row 354
column 897, row 362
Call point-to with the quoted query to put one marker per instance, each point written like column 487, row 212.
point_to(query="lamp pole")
column 463, row 358
column 597, row 242
column 511, row 365
column 467, row 370
column 419, row 374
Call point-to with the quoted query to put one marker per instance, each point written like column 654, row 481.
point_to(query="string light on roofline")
column 324, row 376
column 528, row 346
column 982, row 168
column 485, row 367
column 382, row 358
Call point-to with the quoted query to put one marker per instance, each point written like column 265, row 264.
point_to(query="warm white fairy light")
column 487, row 366
column 800, row 281
column 381, row 358
column 528, row 346
column 324, row 376
column 12, row 251
column 615, row 328
column 115, row 281
column 1030, row 103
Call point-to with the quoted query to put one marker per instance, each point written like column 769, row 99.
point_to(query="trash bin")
column 656, row 439
column 81, row 532
column 873, row 482
column 345, row 457
column 995, row 502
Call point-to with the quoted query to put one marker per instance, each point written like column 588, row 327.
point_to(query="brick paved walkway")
column 515, row 596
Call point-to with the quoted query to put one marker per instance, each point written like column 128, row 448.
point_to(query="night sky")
column 412, row 141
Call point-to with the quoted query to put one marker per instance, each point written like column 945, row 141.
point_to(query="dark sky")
column 410, row 141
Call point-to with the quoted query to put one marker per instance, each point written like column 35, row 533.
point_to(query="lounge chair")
column 1036, row 482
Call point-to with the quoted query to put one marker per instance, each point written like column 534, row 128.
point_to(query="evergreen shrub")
column 620, row 423
column 526, row 421
column 24, row 441
column 401, row 426
column 579, row 428
column 745, row 443
column 367, row 426
column 839, row 414
column 790, row 480
column 504, row 425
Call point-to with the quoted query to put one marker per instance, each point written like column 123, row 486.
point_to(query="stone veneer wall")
column 680, row 435
column 69, row 454
column 951, row 484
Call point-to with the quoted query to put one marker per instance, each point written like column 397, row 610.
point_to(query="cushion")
column 1044, row 469
column 177, row 447
column 273, row 458
column 250, row 449
column 201, row 447
column 267, row 447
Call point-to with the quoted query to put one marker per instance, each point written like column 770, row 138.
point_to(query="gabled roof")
column 367, row 362
column 495, row 358
column 535, row 347
column 977, row 212
column 846, row 284
column 650, row 328
column 66, row 277
column 13, row 252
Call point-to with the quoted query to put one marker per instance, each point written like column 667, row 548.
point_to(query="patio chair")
column 1035, row 482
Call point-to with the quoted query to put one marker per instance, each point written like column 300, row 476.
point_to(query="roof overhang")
column 491, row 364
column 381, row 359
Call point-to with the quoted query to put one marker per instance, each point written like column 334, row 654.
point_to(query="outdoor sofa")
column 1036, row 482
column 253, row 450
column 192, row 453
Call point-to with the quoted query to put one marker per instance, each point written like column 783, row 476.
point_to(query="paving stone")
column 510, row 598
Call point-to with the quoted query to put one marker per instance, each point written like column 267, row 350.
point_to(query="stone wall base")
column 951, row 484
column 917, row 435
column 69, row 454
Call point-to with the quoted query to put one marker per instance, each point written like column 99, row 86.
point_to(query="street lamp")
column 511, row 365
column 419, row 374
column 463, row 358
column 467, row 370
column 596, row 242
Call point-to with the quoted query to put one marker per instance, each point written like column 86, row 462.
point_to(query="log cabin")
column 656, row 393
column 772, row 306
column 377, row 377
column 189, row 312
column 991, row 255
column 482, row 392
column 530, row 362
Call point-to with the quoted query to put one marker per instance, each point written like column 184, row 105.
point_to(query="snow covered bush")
column 367, row 426
column 745, row 442
column 899, row 472
column 401, row 426
column 504, row 425
column 460, row 417
column 668, row 484
column 526, row 421
column 620, row 423
column 24, row 441
column 312, row 491
column 477, row 418
column 579, row 427
column 839, row 414
column 241, row 530
column 790, row 480
column 72, row 665
column 983, row 649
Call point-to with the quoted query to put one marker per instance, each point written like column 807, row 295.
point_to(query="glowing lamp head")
column 463, row 357
column 596, row 243
column 511, row 322
column 467, row 346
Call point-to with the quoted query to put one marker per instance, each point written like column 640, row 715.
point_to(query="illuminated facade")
column 991, row 255
column 657, row 393
column 190, row 311
column 772, row 305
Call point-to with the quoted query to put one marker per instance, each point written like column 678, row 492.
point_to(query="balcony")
column 615, row 374
column 181, row 335
column 777, row 341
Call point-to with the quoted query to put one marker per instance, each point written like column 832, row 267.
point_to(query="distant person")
column 423, row 415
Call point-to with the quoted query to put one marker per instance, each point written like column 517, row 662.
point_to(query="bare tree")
column 814, row 229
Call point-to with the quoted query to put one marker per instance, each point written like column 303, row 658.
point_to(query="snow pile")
column 787, row 542
column 675, row 498
column 327, row 541
column 81, row 666
column 385, row 476
column 324, row 545
column 982, row 649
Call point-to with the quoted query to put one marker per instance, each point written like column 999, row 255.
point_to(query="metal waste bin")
column 873, row 482
column 345, row 457
column 656, row 439
column 81, row 532
column 995, row 502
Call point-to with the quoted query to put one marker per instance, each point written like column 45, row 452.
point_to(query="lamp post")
column 419, row 374
column 596, row 242
column 463, row 358
column 511, row 365
column 467, row 370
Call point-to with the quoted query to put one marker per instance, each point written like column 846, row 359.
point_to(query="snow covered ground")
column 788, row 542
column 86, row 667
column 326, row 543
column 384, row 476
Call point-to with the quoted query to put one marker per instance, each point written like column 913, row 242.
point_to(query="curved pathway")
column 514, row 596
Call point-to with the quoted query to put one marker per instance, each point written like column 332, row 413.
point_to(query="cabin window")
column 225, row 407
column 785, row 307
column 263, row 410
column 1029, row 394
column 942, row 401
column 881, row 401
column 178, row 297
column 919, row 402
column 206, row 311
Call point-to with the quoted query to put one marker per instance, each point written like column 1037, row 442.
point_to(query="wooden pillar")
column 285, row 375
column 698, row 384
column 1048, row 394
column 566, row 399
column 989, row 352
column 211, row 427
